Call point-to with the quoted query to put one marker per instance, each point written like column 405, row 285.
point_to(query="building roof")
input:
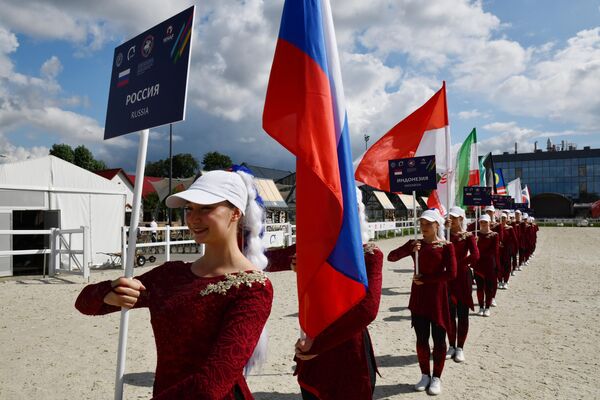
column 147, row 188
column 407, row 200
column 547, row 155
column 267, row 173
column 383, row 200
column 51, row 173
column 111, row 173
column 269, row 193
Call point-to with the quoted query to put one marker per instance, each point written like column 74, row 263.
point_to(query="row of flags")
column 305, row 112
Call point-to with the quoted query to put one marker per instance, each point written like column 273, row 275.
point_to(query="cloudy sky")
column 518, row 70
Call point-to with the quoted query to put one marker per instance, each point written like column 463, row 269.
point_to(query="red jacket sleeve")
column 359, row 316
column 497, row 250
column 403, row 251
column 243, row 324
column 473, row 256
column 91, row 299
column 449, row 262
column 280, row 259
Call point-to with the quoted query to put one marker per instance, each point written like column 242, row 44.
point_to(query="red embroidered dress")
column 437, row 265
column 345, row 361
column 467, row 253
column 489, row 255
column 205, row 328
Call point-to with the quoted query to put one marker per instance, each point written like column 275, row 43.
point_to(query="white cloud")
column 51, row 68
column 470, row 114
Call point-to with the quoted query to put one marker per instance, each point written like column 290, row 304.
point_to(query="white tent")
column 83, row 198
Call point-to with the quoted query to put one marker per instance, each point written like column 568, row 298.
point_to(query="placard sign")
column 502, row 202
column 149, row 77
column 477, row 195
column 409, row 174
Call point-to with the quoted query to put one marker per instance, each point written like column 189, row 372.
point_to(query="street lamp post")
column 366, row 137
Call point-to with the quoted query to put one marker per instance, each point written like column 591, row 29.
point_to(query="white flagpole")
column 133, row 228
column 415, row 231
column 448, row 182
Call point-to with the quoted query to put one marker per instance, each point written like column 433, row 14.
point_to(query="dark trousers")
column 461, row 329
column 423, row 329
column 485, row 290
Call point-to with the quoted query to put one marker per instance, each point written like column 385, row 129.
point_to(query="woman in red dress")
column 486, row 268
column 508, row 247
column 207, row 316
column 428, row 302
column 340, row 363
column 460, row 288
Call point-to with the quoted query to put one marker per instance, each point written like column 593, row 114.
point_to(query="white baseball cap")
column 457, row 212
column 525, row 215
column 518, row 212
column 485, row 217
column 432, row 216
column 504, row 215
column 211, row 188
column 489, row 208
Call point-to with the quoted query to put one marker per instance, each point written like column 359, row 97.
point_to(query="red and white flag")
column 422, row 133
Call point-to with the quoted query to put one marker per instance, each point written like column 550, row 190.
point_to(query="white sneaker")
column 512, row 273
column 450, row 352
column 486, row 312
column 459, row 355
column 481, row 311
column 505, row 285
column 423, row 383
column 494, row 304
column 435, row 387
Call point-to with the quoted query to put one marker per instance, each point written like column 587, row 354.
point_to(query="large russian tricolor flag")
column 305, row 112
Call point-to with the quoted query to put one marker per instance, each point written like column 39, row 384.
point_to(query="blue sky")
column 518, row 70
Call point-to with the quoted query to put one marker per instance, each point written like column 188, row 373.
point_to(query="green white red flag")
column 467, row 166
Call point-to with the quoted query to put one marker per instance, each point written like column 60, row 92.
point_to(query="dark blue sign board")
column 477, row 196
column 409, row 174
column 502, row 202
column 149, row 77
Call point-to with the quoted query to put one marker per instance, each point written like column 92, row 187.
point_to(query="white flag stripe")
column 125, row 72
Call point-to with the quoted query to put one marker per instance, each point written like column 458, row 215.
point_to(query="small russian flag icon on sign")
column 123, row 77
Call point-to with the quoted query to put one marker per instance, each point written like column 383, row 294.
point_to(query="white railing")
column 570, row 222
column 60, row 243
column 389, row 227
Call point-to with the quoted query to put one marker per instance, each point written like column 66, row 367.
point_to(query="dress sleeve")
column 91, row 299
column 237, row 338
column 449, row 264
column 359, row 316
column 401, row 252
column 497, row 251
column 473, row 256
column 280, row 259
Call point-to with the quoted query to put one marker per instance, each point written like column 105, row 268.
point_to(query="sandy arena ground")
column 541, row 342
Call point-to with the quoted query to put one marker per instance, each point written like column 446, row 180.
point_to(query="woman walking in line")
column 460, row 288
column 428, row 302
column 486, row 269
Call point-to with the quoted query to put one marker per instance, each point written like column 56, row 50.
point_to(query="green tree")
column 214, row 160
column 83, row 157
column 63, row 151
column 184, row 166
column 157, row 168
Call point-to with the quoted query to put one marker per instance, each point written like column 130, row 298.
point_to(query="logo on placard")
column 123, row 77
column 119, row 60
column 131, row 53
column 169, row 34
column 147, row 45
column 393, row 164
column 411, row 163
